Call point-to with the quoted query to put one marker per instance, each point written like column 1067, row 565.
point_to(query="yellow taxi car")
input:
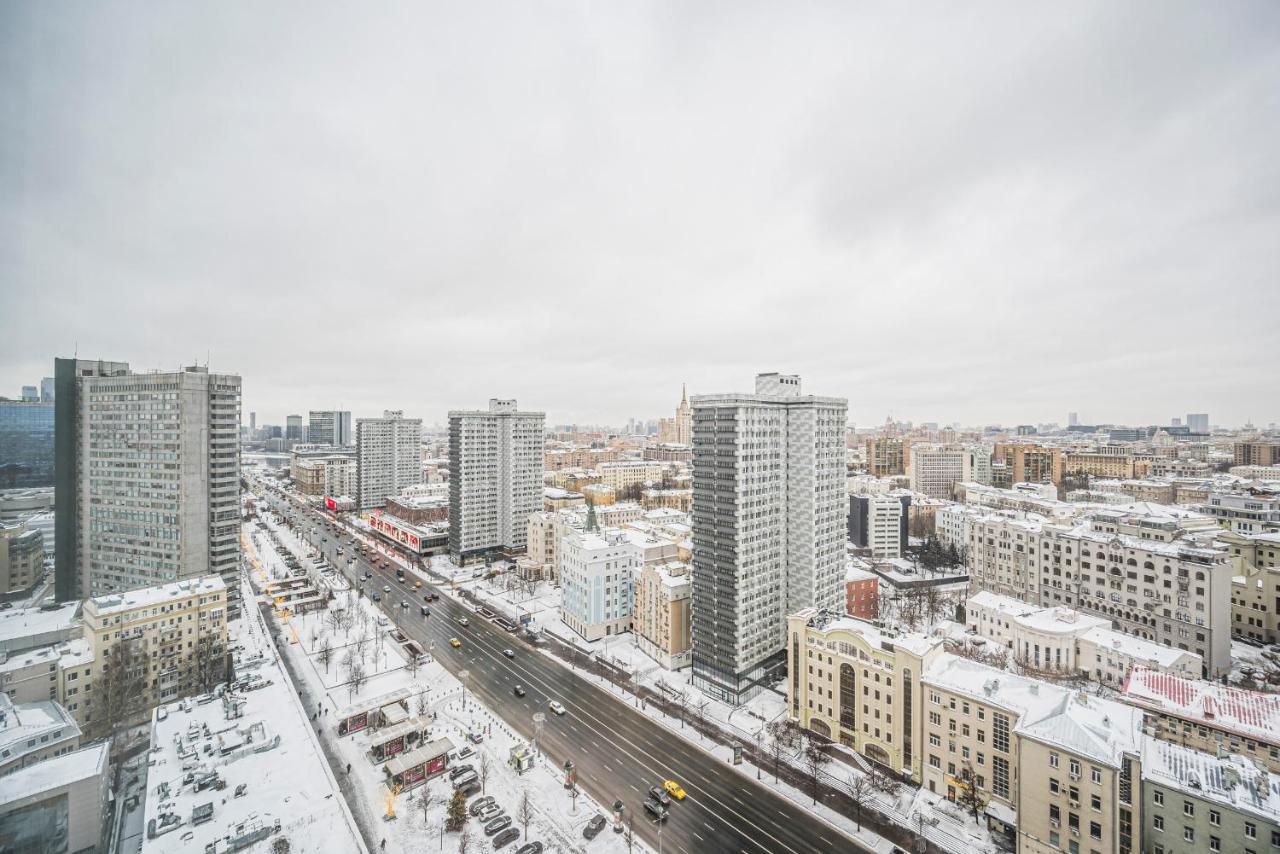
column 674, row 790
column 455, row 643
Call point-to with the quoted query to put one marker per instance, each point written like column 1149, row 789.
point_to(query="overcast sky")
column 951, row 212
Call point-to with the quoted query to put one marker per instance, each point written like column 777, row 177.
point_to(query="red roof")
column 1252, row 714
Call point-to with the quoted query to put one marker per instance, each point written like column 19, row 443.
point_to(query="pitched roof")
column 1251, row 714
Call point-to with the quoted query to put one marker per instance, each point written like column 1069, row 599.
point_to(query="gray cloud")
column 981, row 213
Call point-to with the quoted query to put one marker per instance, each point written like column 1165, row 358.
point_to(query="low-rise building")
column 154, row 645
column 419, row 509
column 1207, row 716
column 861, row 590
column 1196, row 801
column 21, row 559
column 33, row 732
column 663, row 603
column 879, row 523
column 58, row 805
column 1256, row 511
column 1255, row 585
column 854, row 683
column 675, row 499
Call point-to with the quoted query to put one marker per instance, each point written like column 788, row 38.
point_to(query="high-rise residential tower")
column 768, row 526
column 388, row 457
column 495, row 479
column 329, row 427
column 147, row 477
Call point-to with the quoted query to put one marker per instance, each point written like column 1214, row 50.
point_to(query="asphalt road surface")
column 618, row 751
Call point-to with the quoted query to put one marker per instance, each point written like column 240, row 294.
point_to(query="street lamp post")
column 462, row 676
column 538, row 720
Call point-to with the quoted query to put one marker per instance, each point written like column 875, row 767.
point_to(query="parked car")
column 468, row 788
column 505, row 838
column 593, row 828
column 518, row 691
column 556, row 707
column 502, row 822
column 479, row 804
column 455, row 773
column 464, row 779
column 488, row 812
column 531, row 848
column 463, row 753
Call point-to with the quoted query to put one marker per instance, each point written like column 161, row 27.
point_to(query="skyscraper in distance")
column 1198, row 422
column 329, row 427
column 147, row 485
column 768, row 526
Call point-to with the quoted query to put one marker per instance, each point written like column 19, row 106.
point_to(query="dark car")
column 518, row 691
column 469, row 788
column 593, row 828
column 479, row 804
column 458, row 771
column 656, row 793
column 655, row 809
column 502, row 822
column 426, row 612
column 531, row 848
column 505, row 838
column 428, row 598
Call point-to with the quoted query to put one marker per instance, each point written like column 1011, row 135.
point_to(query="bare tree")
column 422, row 706
column 814, row 759
column 356, row 677
column 423, row 801
column 483, row 770
column 464, row 841
column 326, row 653
column 361, row 646
column 120, row 689
column 412, row 665
column 682, row 700
column 886, row 783
column 858, row 787
column 333, row 621
column 524, row 812
column 782, row 740
column 969, row 795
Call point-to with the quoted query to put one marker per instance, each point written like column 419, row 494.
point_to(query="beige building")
column 1108, row 464
column 1157, row 575
column 676, row 499
column 1040, row 756
column 1255, row 585
column 626, row 473
column 661, row 622
column 21, row 558
column 856, row 684
column 153, row 646
column 1030, row 463
column 1155, row 491
column 888, row 456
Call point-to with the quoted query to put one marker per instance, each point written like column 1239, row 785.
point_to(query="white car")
column 555, row 706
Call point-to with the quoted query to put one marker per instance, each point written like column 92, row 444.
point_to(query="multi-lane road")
column 617, row 750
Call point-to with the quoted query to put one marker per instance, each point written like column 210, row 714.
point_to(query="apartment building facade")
column 495, row 482
column 1161, row 578
column 662, row 614
column 154, row 645
column 597, row 578
column 768, row 526
column 936, row 469
column 388, row 457
column 148, row 477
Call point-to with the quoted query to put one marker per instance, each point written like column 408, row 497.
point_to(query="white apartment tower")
column 147, row 477
column 768, row 526
column 495, row 479
column 388, row 457
column 935, row 469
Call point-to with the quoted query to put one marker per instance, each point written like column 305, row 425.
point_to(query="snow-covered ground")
column 556, row 819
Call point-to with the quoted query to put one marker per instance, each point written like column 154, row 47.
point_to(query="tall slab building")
column 495, row 479
column 147, row 477
column 768, row 526
column 388, row 457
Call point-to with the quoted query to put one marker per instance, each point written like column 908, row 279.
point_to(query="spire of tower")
column 684, row 397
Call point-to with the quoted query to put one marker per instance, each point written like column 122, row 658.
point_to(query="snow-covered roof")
column 40, row 722
column 54, row 773
column 1027, row 698
column 24, row 622
column 1136, row 647
column 826, row 622
column 1250, row 714
column 147, row 596
column 1231, row 780
column 1090, row 727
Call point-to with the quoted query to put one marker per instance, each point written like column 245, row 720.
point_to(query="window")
column 1158, row 798
column 1053, row 785
column 1000, row 732
column 1095, row 774
column 1075, row 768
column 1215, row 818
column 1053, row 760
column 1157, row 822
column 1188, row 834
column 1215, row 844
column 1095, row 801
column 1188, row 808
column 1250, row 830
column 1095, row 830
column 1000, row 777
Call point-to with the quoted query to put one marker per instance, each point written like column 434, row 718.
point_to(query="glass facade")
column 26, row 444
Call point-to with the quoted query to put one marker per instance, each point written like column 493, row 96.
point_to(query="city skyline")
column 1051, row 216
